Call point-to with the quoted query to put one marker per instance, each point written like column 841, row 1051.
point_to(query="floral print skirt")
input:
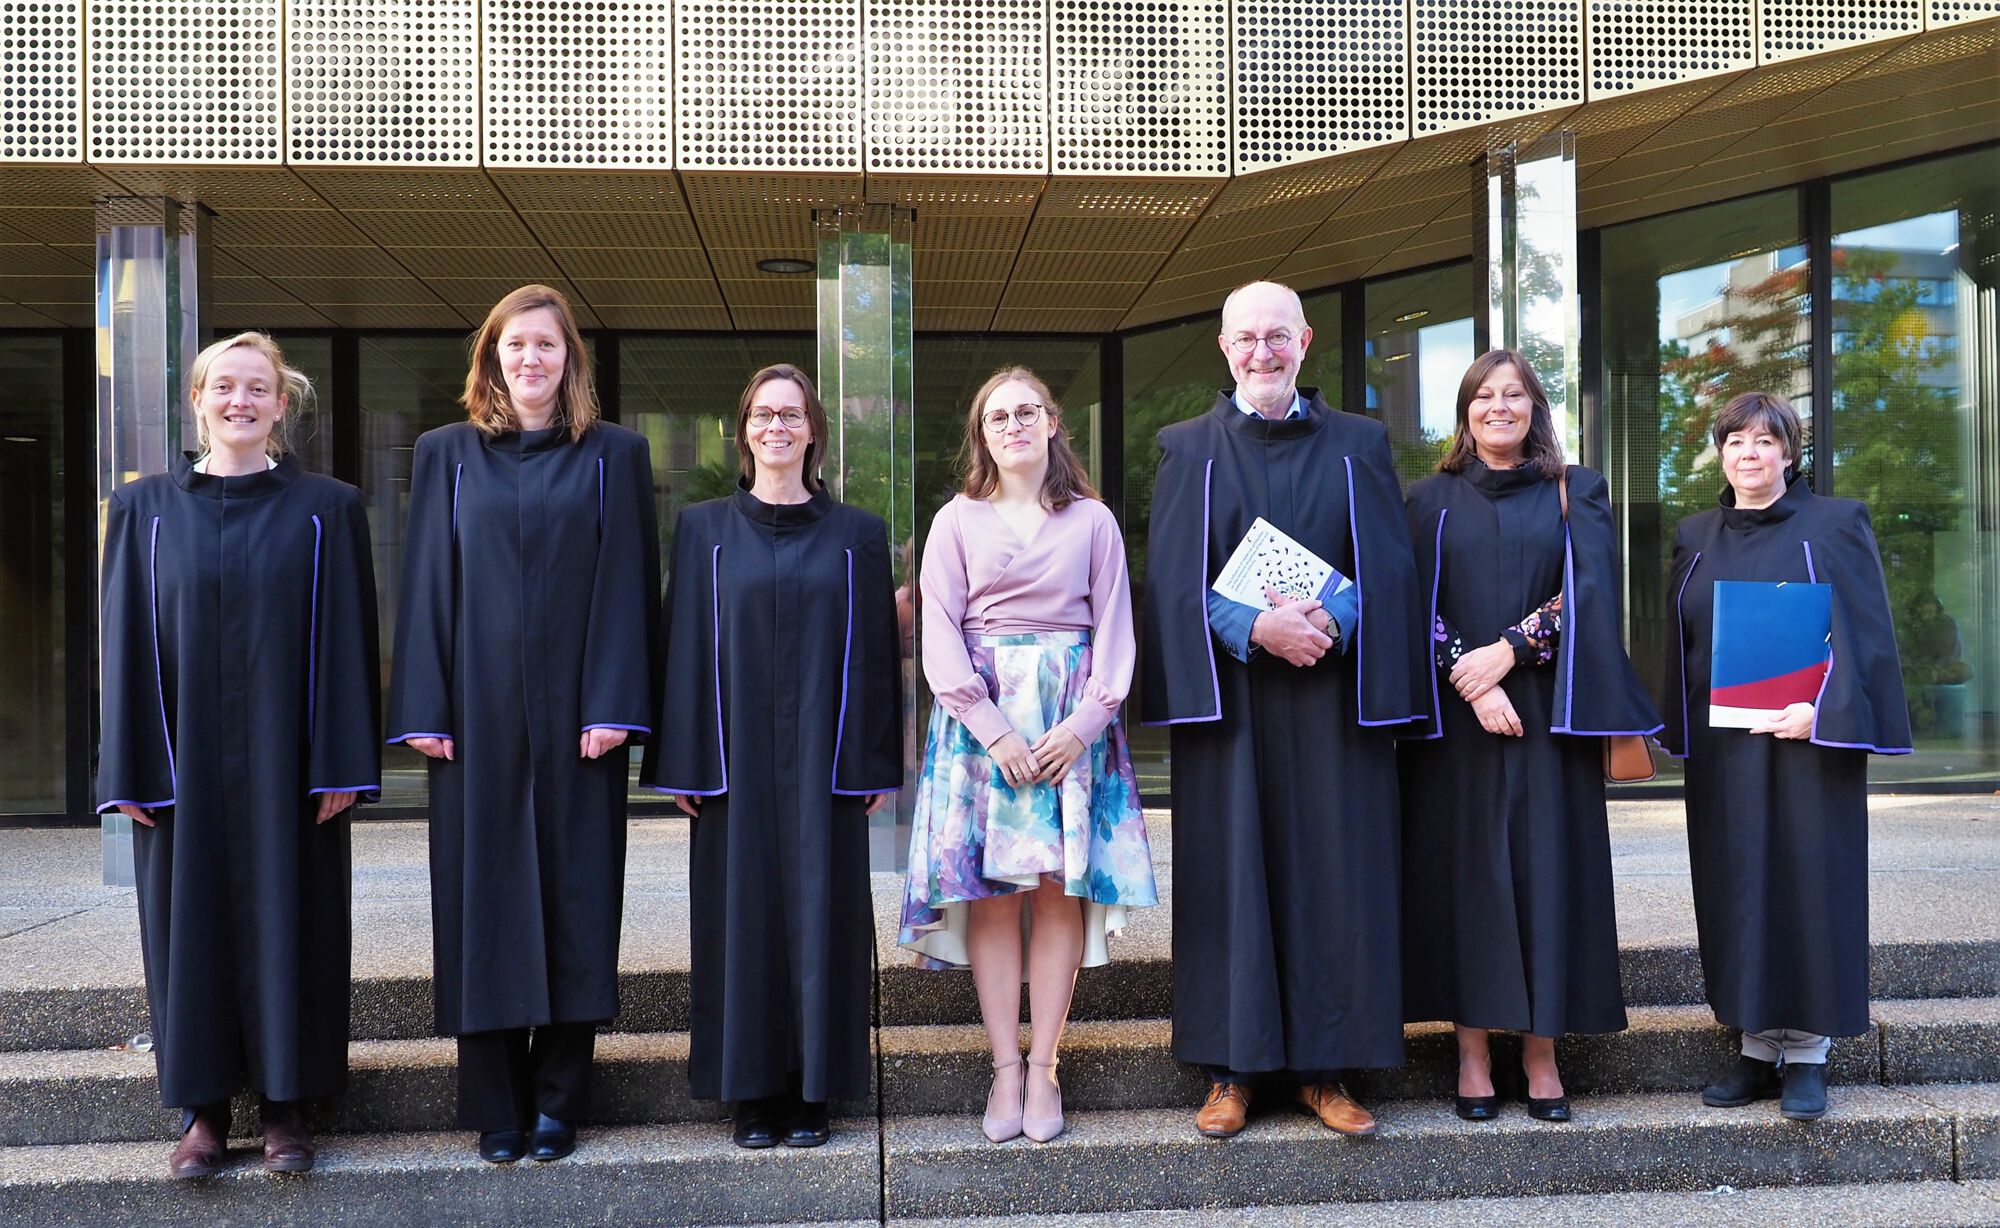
column 974, row 836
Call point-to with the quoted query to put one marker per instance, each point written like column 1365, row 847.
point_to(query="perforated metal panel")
column 578, row 83
column 1140, row 87
column 1644, row 44
column 1951, row 12
column 1479, row 60
column 373, row 84
column 767, row 84
column 1792, row 28
column 184, row 81
column 41, row 73
column 1317, row 79
column 958, row 86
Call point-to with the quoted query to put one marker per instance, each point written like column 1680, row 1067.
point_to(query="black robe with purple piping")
column 1778, row 830
column 240, row 670
column 1507, row 902
column 1286, row 820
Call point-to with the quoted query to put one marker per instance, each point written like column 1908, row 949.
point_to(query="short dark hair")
column 1768, row 411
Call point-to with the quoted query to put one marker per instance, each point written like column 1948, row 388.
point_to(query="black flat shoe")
column 1556, row 1108
column 503, row 1146
column 807, row 1126
column 1749, row 1081
column 553, row 1139
column 756, row 1124
column 1804, row 1097
column 1478, row 1108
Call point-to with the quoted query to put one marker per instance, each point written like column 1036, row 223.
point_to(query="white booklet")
column 1267, row 556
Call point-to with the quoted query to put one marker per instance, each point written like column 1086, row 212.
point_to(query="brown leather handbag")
column 1627, row 760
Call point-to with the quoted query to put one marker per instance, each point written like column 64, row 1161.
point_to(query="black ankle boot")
column 1751, row 1080
column 1805, row 1091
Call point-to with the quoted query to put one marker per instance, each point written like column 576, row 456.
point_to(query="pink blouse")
column 978, row 578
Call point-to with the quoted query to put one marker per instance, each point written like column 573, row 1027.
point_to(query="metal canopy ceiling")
column 1074, row 166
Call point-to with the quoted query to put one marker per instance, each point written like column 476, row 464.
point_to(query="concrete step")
column 80, row 1096
column 656, row 1000
column 1900, row 1204
column 1118, row 1162
column 656, row 1175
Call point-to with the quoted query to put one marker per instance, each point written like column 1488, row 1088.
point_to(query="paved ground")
column 1935, row 873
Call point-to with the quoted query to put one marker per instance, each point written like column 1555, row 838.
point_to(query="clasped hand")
column 330, row 804
column 1295, row 630
column 1795, row 723
column 1045, row 762
column 1480, row 670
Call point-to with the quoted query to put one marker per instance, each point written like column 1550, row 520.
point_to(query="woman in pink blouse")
column 1027, row 787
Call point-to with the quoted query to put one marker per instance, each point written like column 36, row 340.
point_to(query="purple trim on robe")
column 404, row 737
column 159, row 671
column 600, row 494
column 312, row 641
column 113, row 805
column 1430, row 631
column 1570, row 625
column 1354, row 535
column 457, row 476
column 840, row 725
column 1812, row 575
column 1208, row 635
column 613, row 725
column 345, row 789
column 1681, row 648
column 721, row 745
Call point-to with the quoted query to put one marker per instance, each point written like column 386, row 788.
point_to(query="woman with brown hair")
column 782, row 724
column 1507, row 907
column 523, row 667
column 1027, row 845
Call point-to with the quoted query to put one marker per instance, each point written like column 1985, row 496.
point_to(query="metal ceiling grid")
column 587, row 83
column 40, row 260
column 1340, row 260
column 1939, row 45
column 773, row 319
column 1074, row 295
column 959, row 195
column 14, row 315
column 480, row 293
column 767, row 213
column 1789, row 29
column 960, row 295
column 184, row 81
column 1312, row 80
column 1139, row 87
column 740, row 264
column 392, row 315
column 223, row 188
column 1460, row 146
column 31, row 186
column 269, row 315
column 767, row 85
column 304, row 228
column 359, row 291
column 769, row 292
column 528, row 264
column 957, row 86
column 66, row 228
column 610, row 191
column 1306, row 184
column 1450, row 237
column 468, row 228
column 649, row 263
column 1637, row 45
column 700, row 318
column 35, row 290
column 349, row 188
column 382, row 85
column 66, row 315
column 1950, row 12
column 280, row 262
column 1212, row 280
column 931, row 265
column 41, row 62
column 1475, row 61
column 951, row 319
column 589, row 228
column 652, row 292
column 932, row 231
column 1151, row 197
column 1066, row 321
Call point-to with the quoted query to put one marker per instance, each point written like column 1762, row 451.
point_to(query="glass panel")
column 1419, row 343
column 408, row 386
column 1172, row 374
column 1916, row 434
column 312, row 435
column 1697, row 307
column 32, row 744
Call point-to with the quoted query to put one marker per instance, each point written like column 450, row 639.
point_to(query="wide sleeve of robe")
column 1424, row 513
column 1861, row 704
column 1178, row 661
column 136, row 758
column 1673, row 735
column 620, row 663
column 1392, row 668
column 344, row 752
column 869, row 755
column 420, row 696
column 686, row 754
column 1597, row 691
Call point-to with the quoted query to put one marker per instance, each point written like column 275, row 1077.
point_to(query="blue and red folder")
column 1770, row 649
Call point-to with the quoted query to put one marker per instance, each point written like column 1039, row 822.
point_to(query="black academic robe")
column 1286, row 819
column 782, row 714
column 1507, row 907
column 1778, row 830
column 239, row 682
column 530, row 593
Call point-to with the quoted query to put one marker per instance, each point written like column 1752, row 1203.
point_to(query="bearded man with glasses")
column 1286, row 908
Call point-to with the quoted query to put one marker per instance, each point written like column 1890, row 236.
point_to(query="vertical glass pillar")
column 1528, row 194
column 152, row 275
column 865, row 342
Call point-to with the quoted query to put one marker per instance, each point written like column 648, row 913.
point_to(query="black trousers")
column 1305, row 1078
column 506, row 1077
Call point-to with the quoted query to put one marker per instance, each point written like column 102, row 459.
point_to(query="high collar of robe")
column 1501, row 481
column 1744, row 518
column 1257, row 426
column 783, row 515
column 239, row 486
column 528, row 441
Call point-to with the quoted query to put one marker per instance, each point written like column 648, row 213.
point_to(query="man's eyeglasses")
column 1026, row 415
column 1246, row 343
column 792, row 416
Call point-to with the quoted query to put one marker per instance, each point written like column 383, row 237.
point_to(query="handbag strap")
column 1562, row 491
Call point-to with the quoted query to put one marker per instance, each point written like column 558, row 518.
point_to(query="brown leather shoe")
column 288, row 1144
column 1226, row 1112
column 1336, row 1109
column 201, row 1150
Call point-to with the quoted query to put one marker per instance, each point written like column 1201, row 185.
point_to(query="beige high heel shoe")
column 1000, row 1129
column 1042, row 1129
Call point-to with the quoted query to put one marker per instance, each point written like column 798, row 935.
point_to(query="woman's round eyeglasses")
column 793, row 417
column 1026, row 415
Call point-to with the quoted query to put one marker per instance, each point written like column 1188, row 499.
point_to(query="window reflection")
column 32, row 739
column 1419, row 343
